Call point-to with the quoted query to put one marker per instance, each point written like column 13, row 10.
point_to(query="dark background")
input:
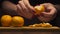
column 34, row 2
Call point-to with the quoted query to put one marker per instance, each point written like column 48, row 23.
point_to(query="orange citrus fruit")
column 39, row 9
column 17, row 21
column 6, row 20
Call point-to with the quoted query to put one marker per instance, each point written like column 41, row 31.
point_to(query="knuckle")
column 24, row 8
column 19, row 2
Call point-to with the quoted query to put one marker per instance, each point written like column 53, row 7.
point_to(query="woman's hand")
column 25, row 9
column 48, row 14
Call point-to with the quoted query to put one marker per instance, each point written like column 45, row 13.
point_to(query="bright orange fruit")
column 39, row 9
column 6, row 20
column 17, row 21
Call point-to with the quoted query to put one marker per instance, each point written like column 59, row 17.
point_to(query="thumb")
column 47, row 14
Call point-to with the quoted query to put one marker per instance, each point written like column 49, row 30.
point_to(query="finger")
column 22, row 6
column 50, row 8
column 44, row 19
column 51, row 11
column 46, row 4
column 45, row 14
column 26, row 2
column 19, row 10
column 25, row 10
column 41, row 18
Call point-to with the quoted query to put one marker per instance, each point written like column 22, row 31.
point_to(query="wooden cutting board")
column 29, row 28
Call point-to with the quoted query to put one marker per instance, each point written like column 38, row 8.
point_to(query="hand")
column 48, row 14
column 25, row 9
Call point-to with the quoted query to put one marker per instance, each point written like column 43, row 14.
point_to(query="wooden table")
column 29, row 30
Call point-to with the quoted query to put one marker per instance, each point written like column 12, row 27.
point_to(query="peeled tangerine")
column 17, row 21
column 6, row 20
column 39, row 9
